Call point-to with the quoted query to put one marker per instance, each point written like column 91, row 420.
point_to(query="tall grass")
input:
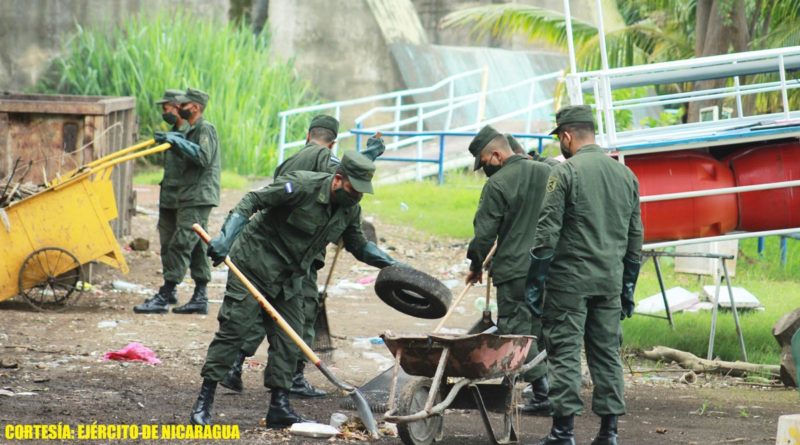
column 448, row 210
column 247, row 85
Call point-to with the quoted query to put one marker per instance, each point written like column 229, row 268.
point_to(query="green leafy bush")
column 247, row 85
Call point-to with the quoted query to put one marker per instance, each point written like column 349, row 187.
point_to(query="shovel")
column 486, row 318
column 358, row 399
column 464, row 292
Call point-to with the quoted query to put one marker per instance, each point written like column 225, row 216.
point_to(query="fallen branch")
column 690, row 361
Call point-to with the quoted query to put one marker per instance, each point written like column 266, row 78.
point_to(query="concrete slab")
column 678, row 298
column 742, row 298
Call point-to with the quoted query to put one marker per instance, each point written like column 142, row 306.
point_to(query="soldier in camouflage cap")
column 193, row 177
column 293, row 219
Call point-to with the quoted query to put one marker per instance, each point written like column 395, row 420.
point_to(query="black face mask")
column 169, row 118
column 489, row 169
column 345, row 199
column 185, row 113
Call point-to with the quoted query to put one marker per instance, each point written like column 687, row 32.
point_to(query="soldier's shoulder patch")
column 552, row 182
column 288, row 187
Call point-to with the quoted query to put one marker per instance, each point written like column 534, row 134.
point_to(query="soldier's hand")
column 160, row 137
column 217, row 251
column 375, row 147
column 627, row 305
column 474, row 277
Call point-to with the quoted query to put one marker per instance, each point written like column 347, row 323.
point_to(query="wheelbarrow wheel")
column 49, row 277
column 412, row 399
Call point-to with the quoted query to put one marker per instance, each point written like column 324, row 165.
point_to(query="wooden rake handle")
column 464, row 292
column 273, row 313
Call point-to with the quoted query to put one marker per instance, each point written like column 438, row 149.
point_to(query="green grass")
column 448, row 211
column 228, row 179
column 246, row 83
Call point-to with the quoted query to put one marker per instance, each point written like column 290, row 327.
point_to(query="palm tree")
column 654, row 31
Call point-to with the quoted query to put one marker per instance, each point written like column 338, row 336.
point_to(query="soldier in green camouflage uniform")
column 293, row 219
column 193, row 166
column 316, row 156
column 508, row 212
column 585, row 261
column 517, row 148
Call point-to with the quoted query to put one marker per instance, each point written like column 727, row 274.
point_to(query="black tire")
column 412, row 399
column 369, row 231
column 413, row 292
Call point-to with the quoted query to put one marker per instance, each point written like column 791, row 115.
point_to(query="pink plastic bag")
column 133, row 352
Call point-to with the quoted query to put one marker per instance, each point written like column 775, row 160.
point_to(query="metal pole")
column 451, row 93
column 441, row 159
column 733, row 308
column 358, row 136
column 761, row 246
column 282, row 140
column 570, row 42
column 663, row 292
column 739, row 108
column 784, row 94
column 714, row 312
column 530, row 110
column 419, row 143
column 397, row 104
column 602, row 34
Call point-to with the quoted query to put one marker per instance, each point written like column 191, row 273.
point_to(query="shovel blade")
column 483, row 324
column 365, row 413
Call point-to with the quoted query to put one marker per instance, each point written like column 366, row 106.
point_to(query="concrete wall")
column 33, row 31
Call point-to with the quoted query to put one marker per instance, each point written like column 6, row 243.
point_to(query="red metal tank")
column 684, row 171
column 768, row 209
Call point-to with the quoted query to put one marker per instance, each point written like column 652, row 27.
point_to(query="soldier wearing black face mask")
column 508, row 212
column 191, row 180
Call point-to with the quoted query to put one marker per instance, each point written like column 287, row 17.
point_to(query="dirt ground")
column 52, row 362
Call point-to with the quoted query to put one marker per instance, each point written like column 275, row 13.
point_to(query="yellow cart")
column 47, row 237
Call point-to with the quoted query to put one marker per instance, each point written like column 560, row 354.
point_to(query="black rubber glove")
column 219, row 247
column 534, row 283
column 373, row 255
column 630, row 273
column 374, row 148
column 178, row 140
column 160, row 137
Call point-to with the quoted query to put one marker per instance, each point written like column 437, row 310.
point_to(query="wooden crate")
column 59, row 133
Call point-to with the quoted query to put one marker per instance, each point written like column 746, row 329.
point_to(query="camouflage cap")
column 193, row 95
column 483, row 137
column 325, row 121
column 573, row 114
column 359, row 170
column 170, row 96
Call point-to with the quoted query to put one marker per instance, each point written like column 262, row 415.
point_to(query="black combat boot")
column 201, row 411
column 233, row 379
column 280, row 414
column 537, row 403
column 562, row 432
column 199, row 302
column 158, row 303
column 301, row 387
column 608, row 431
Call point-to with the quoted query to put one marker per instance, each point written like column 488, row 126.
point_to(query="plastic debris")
column 403, row 206
column 133, row 352
column 317, row 430
column 450, row 284
column 107, row 324
column 367, row 280
column 338, row 419
column 124, row 286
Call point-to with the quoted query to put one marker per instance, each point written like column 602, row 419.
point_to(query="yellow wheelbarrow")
column 47, row 237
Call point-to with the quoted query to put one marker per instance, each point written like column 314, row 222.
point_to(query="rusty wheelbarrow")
column 446, row 363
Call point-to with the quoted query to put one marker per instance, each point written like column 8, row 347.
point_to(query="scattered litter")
column 124, row 286
column 480, row 304
column 345, row 284
column 382, row 361
column 146, row 211
column 133, row 352
column 742, row 298
column 311, row 429
column 139, row 244
column 8, row 393
column 388, row 429
column 376, row 340
column 7, row 363
column 337, row 420
column 679, row 299
column 362, row 343
column 403, row 206
column 107, row 324
column 367, row 280
column 219, row 275
column 41, row 379
column 451, row 283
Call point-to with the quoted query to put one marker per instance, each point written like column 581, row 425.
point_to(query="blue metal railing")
column 442, row 135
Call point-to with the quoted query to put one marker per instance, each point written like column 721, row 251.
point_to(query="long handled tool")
column 358, row 399
column 322, row 331
column 460, row 296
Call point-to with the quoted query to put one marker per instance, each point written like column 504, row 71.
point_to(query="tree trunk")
column 718, row 30
column 690, row 361
column 783, row 331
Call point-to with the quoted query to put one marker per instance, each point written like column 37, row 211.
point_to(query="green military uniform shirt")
column 294, row 221
column 313, row 158
column 508, row 210
column 199, row 179
column 589, row 233
column 174, row 165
